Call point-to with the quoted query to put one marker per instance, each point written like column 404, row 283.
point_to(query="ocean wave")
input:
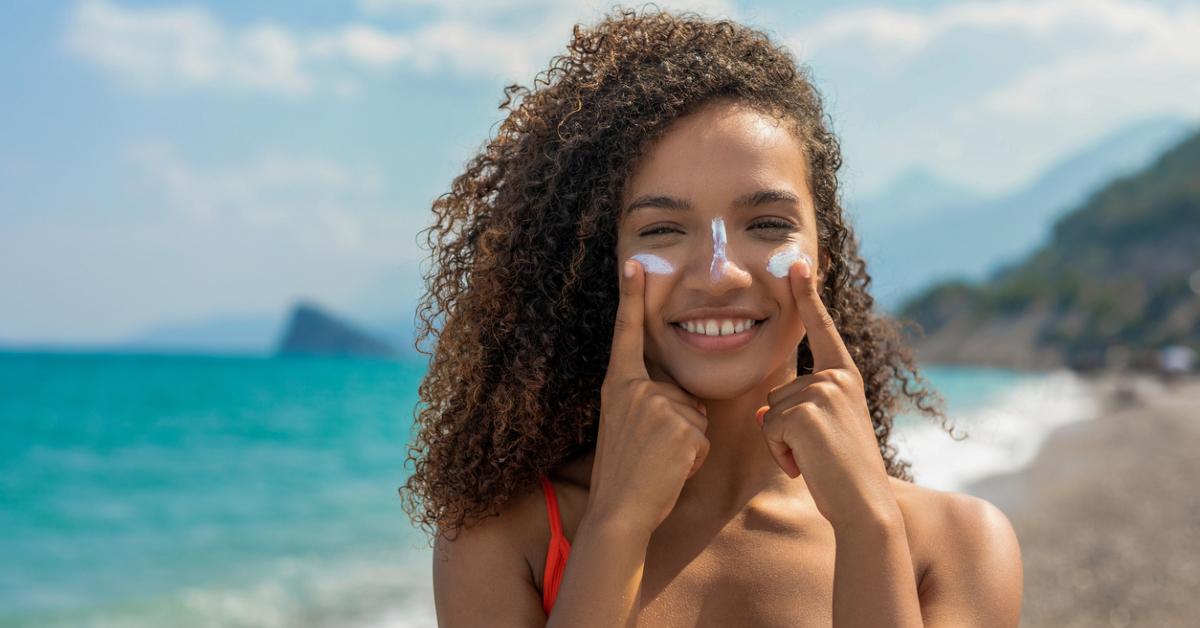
column 359, row 592
column 1003, row 434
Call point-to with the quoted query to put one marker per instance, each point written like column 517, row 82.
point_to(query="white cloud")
column 162, row 47
column 318, row 204
column 364, row 44
column 898, row 31
column 184, row 46
column 1150, row 60
column 499, row 7
column 249, row 236
column 1008, row 86
column 1121, row 54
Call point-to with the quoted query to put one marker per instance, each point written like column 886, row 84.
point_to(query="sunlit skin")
column 725, row 488
column 719, row 196
column 729, row 152
column 718, row 202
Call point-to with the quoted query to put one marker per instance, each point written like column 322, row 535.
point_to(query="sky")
column 173, row 161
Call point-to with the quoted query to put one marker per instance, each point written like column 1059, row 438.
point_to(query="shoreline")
column 1004, row 422
column 1107, row 513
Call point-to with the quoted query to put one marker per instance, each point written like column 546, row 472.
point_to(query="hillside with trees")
column 1121, row 272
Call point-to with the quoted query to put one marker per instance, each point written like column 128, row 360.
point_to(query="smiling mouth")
column 700, row 332
column 719, row 343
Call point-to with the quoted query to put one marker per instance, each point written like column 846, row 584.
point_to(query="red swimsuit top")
column 556, row 555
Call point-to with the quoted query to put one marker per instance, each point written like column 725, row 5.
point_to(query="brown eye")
column 657, row 231
column 774, row 224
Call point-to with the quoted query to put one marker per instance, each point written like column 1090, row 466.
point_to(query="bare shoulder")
column 972, row 574
column 482, row 575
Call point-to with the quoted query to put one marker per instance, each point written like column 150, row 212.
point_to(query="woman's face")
column 716, row 211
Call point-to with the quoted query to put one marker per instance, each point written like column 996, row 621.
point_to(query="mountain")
column 913, row 194
column 313, row 331
column 967, row 239
column 1122, row 271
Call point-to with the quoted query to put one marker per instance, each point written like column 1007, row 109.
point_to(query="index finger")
column 823, row 338
column 627, row 356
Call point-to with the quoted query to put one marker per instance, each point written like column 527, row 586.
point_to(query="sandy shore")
column 1108, row 513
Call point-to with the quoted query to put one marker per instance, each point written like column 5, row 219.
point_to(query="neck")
column 739, row 466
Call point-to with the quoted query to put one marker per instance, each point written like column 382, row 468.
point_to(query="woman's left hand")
column 819, row 425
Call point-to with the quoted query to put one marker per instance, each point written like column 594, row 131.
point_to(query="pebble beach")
column 1108, row 511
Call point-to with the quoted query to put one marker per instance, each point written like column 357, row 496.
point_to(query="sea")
column 148, row 490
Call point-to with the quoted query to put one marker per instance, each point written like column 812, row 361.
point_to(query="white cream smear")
column 777, row 265
column 718, row 259
column 654, row 264
column 782, row 260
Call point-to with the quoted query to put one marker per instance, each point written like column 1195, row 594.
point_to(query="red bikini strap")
column 551, row 507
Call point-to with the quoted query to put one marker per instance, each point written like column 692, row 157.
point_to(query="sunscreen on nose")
column 719, row 239
column 781, row 260
column 654, row 264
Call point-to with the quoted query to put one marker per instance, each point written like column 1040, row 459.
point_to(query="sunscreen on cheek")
column 654, row 264
column 781, row 260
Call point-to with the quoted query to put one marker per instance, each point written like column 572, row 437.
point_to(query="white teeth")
column 713, row 327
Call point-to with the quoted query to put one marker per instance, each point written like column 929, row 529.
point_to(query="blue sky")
column 168, row 161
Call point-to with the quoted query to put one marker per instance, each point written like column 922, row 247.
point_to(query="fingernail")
column 805, row 268
column 758, row 416
column 628, row 269
column 703, row 410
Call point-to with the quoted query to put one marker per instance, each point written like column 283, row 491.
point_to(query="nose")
column 723, row 272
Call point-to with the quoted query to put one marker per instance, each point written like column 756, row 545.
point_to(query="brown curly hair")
column 524, row 249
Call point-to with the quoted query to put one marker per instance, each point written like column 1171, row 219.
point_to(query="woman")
column 660, row 395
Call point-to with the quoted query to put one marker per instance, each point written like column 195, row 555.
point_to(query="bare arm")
column 482, row 579
column 602, row 584
column 974, row 582
column 977, row 580
column 873, row 580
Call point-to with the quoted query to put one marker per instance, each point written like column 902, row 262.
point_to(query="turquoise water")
column 193, row 490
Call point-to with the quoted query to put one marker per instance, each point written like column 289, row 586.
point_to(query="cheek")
column 782, row 259
column 654, row 264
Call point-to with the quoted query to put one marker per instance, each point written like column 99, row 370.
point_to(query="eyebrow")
column 752, row 199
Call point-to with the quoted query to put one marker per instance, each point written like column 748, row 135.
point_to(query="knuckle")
column 826, row 389
column 681, row 434
column 660, row 404
column 841, row 376
column 801, row 414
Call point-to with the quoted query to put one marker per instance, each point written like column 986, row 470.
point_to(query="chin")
column 716, row 385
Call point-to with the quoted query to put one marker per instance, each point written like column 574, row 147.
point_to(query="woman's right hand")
column 652, row 433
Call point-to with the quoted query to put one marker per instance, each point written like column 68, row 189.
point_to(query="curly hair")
column 524, row 251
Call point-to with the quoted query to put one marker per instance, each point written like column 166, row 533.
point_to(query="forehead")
column 719, row 152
